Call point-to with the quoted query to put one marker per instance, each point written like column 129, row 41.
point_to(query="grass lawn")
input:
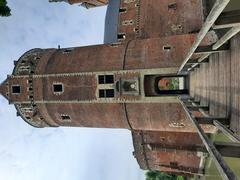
column 211, row 170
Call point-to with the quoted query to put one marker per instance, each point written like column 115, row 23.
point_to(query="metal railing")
column 209, row 23
column 232, row 149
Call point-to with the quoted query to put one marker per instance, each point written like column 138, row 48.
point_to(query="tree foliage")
column 4, row 9
column 157, row 175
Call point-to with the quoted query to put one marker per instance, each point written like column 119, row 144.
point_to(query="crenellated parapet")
column 27, row 63
column 30, row 114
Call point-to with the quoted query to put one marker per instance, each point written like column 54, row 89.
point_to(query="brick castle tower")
column 119, row 84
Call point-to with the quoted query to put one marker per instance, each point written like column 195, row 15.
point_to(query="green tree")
column 157, row 175
column 4, row 9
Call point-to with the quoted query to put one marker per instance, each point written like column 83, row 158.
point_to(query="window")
column 57, row 88
column 16, row 89
column 109, row 93
column 105, row 79
column 66, row 51
column 101, row 79
column 172, row 6
column 65, row 117
column 109, row 79
column 106, row 93
column 123, row 10
column 167, row 48
column 121, row 36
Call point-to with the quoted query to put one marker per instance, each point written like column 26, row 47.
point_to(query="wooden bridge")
column 215, row 84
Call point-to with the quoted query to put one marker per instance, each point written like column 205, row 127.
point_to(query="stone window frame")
column 16, row 85
column 123, row 10
column 60, row 92
column 121, row 36
column 105, row 93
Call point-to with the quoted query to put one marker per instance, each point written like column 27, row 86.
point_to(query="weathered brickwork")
column 108, row 85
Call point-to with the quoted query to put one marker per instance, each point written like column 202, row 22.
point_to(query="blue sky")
column 27, row 153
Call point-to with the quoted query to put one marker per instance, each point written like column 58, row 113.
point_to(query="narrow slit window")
column 16, row 89
column 123, row 10
column 172, row 6
column 58, row 88
column 65, row 117
column 66, row 51
column 121, row 36
column 101, row 93
column 167, row 48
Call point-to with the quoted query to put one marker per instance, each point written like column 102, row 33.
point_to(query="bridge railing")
column 219, row 149
column 230, row 22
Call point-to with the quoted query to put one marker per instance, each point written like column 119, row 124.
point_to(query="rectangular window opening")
column 109, row 93
column 123, row 10
column 172, row 6
column 57, row 88
column 16, row 89
column 105, row 79
column 65, row 117
column 106, row 93
column 109, row 79
column 101, row 79
column 101, row 93
column 121, row 36
column 167, row 48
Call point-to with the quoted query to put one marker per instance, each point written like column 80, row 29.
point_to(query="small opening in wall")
column 137, row 5
column 57, row 88
column 30, row 88
column 67, row 51
column 121, row 36
column 167, row 48
column 16, row 89
column 29, row 81
column 65, row 117
column 123, row 10
column 136, row 30
column 172, row 6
